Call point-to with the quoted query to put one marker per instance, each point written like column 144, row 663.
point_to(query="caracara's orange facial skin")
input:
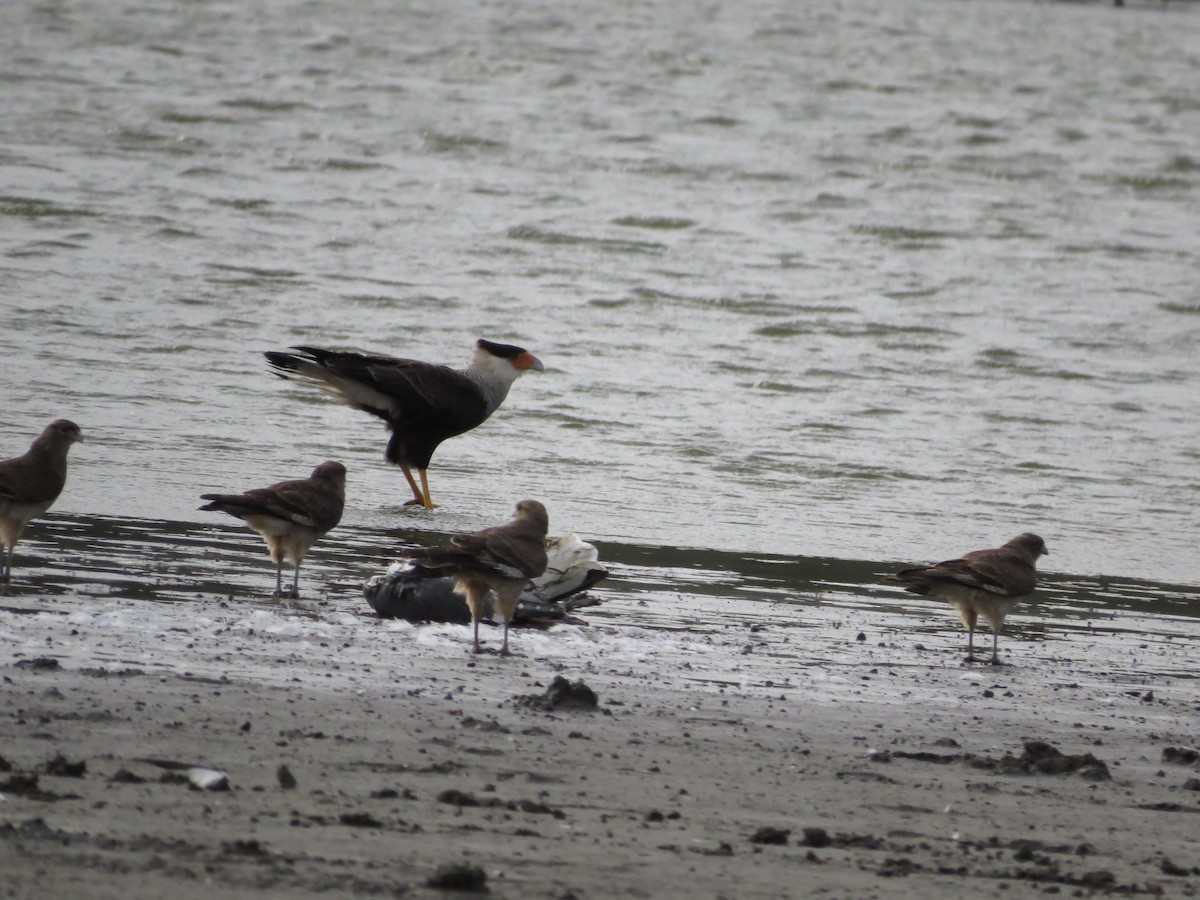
column 528, row 361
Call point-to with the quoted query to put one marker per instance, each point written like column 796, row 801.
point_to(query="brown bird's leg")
column 507, row 599
column 278, row 579
column 418, row 497
column 295, row 594
column 475, row 596
column 971, row 617
column 996, row 647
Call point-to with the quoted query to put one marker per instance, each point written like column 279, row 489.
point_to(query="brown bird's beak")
column 528, row 361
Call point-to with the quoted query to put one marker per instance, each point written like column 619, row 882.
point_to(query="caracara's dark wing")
column 404, row 392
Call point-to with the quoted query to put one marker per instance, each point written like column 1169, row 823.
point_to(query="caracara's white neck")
column 493, row 374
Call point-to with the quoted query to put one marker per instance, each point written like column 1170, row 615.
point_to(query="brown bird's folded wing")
column 517, row 544
column 984, row 570
column 8, row 490
column 302, row 502
column 449, row 561
column 1002, row 572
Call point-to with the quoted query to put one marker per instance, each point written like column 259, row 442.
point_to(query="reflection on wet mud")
column 652, row 587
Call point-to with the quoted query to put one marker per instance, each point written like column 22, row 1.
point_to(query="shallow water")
column 858, row 281
column 791, row 614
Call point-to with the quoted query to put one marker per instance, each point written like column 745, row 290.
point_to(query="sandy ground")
column 735, row 751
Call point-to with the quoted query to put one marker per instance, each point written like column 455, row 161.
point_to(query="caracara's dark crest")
column 422, row 403
column 504, row 351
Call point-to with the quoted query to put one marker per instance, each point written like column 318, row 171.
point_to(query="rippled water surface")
column 861, row 280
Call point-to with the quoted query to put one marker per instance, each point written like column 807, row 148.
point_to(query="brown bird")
column 501, row 559
column 987, row 582
column 291, row 515
column 30, row 484
column 422, row 403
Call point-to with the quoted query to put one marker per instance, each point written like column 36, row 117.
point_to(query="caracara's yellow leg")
column 418, row 497
column 427, row 501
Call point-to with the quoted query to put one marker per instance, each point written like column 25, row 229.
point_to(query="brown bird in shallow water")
column 422, row 403
column 501, row 559
column 291, row 515
column 982, row 582
column 30, row 484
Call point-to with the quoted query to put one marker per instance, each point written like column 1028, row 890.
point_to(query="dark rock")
column 770, row 835
column 562, row 694
column 249, row 847
column 1169, row 868
column 1101, row 878
column 21, row 785
column 63, row 768
column 817, row 837
column 893, row 868
column 38, row 663
column 287, row 781
column 1180, row 756
column 532, row 806
column 455, row 797
column 360, row 820
column 124, row 776
column 458, row 877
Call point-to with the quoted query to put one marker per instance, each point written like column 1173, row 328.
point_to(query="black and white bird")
column 500, row 561
column 422, row 403
column 30, row 483
column 291, row 515
column 982, row 582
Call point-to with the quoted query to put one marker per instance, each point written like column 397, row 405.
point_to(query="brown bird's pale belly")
column 970, row 602
column 14, row 517
column 285, row 540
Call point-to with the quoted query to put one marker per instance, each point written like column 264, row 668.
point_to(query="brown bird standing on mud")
column 422, row 403
column 291, row 515
column 29, row 484
column 501, row 559
column 982, row 582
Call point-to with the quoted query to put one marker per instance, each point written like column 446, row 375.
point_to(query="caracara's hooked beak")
column 528, row 361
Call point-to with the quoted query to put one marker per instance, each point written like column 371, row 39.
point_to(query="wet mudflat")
column 737, row 748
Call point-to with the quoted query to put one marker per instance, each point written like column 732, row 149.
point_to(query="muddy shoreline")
column 794, row 756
